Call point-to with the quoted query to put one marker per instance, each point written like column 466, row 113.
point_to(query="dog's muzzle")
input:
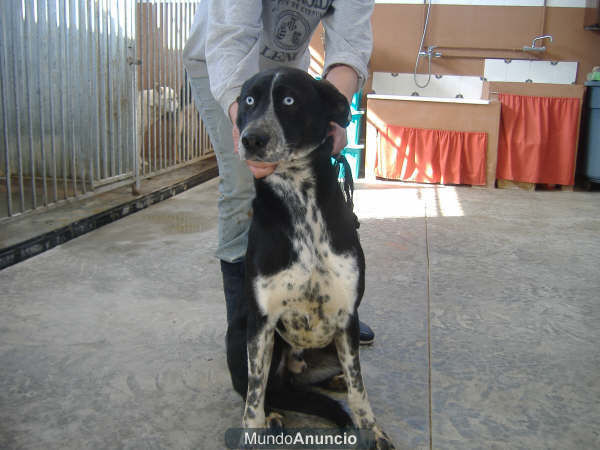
column 255, row 143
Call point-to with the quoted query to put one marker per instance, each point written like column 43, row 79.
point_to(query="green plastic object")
column 594, row 75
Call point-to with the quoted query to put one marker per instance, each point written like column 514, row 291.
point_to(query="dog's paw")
column 381, row 440
column 274, row 421
column 295, row 362
column 336, row 383
column 297, row 367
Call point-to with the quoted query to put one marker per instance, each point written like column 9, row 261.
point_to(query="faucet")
column 533, row 48
column 430, row 52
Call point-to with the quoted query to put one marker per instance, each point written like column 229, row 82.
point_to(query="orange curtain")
column 431, row 156
column 538, row 139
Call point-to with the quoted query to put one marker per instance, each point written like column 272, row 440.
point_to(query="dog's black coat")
column 283, row 221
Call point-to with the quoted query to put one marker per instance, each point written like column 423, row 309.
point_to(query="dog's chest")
column 312, row 298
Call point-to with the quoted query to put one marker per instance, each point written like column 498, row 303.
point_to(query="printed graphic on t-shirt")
column 291, row 30
column 293, row 23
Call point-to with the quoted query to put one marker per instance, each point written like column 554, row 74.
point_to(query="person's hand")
column 261, row 169
column 340, row 140
column 235, row 132
column 258, row 169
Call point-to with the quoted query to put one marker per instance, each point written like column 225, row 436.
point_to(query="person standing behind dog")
column 230, row 41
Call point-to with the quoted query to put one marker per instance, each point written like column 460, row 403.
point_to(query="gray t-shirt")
column 231, row 40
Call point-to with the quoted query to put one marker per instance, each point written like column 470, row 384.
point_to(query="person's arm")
column 232, row 56
column 347, row 53
column 345, row 79
column 349, row 39
column 232, row 46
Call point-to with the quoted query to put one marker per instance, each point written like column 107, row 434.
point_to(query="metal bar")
column 104, row 95
column 98, row 91
column 145, row 72
column 153, row 119
column 125, row 87
column 167, row 78
column 84, row 133
column 158, row 54
column 160, row 68
column 134, row 91
column 180, row 79
column 190, row 126
column 158, row 84
column 164, row 77
column 26, row 60
column 176, row 83
column 41, row 13
column 92, row 109
column 116, row 77
column 169, row 81
column 124, row 126
column 69, row 46
column 195, row 123
column 62, row 28
column 86, row 61
column 187, row 119
column 3, row 83
column 16, row 78
column 181, row 136
column 163, row 82
column 173, row 80
column 119, row 89
column 148, row 66
column 127, row 166
column 109, row 87
column 181, row 26
column 52, row 63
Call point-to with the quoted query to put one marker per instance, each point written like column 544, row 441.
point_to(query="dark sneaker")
column 367, row 336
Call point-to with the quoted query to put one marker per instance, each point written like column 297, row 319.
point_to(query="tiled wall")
column 446, row 86
column 562, row 72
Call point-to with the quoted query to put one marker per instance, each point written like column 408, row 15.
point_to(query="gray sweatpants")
column 236, row 185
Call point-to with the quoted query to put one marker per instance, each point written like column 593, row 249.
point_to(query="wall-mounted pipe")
column 533, row 47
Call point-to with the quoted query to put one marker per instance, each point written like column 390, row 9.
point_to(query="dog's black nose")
column 255, row 141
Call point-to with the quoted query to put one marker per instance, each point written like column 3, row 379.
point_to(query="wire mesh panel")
column 75, row 114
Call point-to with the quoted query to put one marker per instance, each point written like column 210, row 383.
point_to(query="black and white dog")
column 304, row 264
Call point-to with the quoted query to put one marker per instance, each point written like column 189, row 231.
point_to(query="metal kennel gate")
column 92, row 95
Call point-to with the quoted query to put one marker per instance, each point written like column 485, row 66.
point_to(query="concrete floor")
column 486, row 307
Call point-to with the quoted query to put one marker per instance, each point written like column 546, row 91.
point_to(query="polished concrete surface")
column 485, row 305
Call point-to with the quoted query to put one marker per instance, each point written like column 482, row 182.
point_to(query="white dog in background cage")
column 152, row 104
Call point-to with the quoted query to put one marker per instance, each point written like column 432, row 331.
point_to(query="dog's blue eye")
column 249, row 101
column 288, row 101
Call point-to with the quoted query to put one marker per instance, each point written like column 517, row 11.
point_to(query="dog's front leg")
column 260, row 351
column 358, row 401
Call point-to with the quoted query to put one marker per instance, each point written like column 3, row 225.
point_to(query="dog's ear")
column 337, row 107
